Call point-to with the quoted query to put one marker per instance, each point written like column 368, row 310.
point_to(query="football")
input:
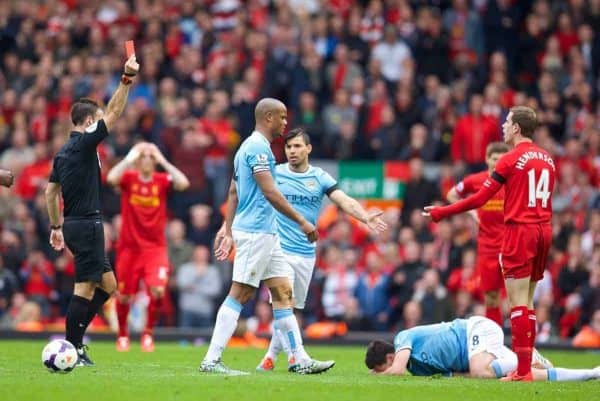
column 59, row 356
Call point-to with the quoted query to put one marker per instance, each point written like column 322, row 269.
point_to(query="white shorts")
column 302, row 268
column 484, row 335
column 258, row 257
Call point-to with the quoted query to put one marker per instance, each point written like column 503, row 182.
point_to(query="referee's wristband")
column 58, row 227
column 125, row 80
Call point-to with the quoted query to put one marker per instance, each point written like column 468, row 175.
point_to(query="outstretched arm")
column 487, row 191
column 454, row 197
column 355, row 209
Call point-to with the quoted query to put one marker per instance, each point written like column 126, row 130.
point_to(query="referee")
column 76, row 174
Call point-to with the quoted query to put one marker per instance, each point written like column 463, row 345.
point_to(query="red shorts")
column 134, row 265
column 525, row 250
column 490, row 273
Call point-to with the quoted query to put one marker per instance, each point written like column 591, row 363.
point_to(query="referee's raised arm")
column 117, row 102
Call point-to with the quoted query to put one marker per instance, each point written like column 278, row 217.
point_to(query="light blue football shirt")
column 254, row 213
column 435, row 348
column 305, row 192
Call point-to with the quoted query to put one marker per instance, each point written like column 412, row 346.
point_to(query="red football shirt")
column 491, row 214
column 527, row 172
column 143, row 210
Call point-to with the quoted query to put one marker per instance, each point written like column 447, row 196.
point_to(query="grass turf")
column 171, row 373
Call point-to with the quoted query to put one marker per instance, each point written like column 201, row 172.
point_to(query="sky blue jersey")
column 435, row 348
column 305, row 192
column 254, row 213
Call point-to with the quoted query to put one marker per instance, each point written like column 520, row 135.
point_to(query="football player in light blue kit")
column 305, row 186
column 250, row 222
column 471, row 347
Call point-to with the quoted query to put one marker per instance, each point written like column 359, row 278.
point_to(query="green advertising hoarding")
column 373, row 180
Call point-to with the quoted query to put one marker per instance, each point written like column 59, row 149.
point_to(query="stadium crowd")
column 426, row 82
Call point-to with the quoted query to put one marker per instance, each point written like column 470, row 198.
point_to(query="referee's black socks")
column 77, row 319
column 100, row 297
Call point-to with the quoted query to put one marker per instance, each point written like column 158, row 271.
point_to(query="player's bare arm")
column 116, row 173
column 265, row 181
column 398, row 367
column 180, row 181
column 351, row 206
column 117, row 103
column 224, row 237
column 6, row 178
column 53, row 205
column 453, row 197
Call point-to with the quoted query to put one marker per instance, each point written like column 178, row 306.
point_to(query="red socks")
column 153, row 307
column 533, row 323
column 494, row 314
column 522, row 338
column 122, row 314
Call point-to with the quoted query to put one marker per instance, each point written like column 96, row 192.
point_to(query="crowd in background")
column 419, row 81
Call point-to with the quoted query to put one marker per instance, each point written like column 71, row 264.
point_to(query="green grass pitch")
column 171, row 373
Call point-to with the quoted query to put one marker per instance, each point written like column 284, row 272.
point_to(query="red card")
column 129, row 48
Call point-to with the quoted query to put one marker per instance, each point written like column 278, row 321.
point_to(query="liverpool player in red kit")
column 142, row 246
column 491, row 230
column 527, row 172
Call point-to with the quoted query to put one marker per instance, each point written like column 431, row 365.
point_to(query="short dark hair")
column 496, row 147
column 297, row 132
column 377, row 352
column 83, row 108
column 526, row 118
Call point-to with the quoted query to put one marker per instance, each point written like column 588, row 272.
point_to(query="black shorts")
column 85, row 240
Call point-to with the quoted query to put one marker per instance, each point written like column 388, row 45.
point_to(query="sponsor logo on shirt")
column 144, row 201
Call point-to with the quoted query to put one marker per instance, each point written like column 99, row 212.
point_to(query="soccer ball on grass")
column 59, row 356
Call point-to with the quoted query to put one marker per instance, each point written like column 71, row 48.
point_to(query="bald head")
column 266, row 106
column 271, row 117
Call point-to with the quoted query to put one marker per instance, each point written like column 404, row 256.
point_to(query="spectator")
column 339, row 285
column 8, row 287
column 371, row 294
column 433, row 298
column 393, row 55
column 419, row 190
column 472, row 133
column 199, row 285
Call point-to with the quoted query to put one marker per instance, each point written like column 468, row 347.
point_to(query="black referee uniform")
column 76, row 168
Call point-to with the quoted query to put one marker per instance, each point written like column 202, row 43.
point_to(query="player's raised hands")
column 375, row 221
column 310, row 231
column 158, row 156
column 135, row 151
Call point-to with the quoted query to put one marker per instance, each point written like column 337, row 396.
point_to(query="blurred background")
column 400, row 99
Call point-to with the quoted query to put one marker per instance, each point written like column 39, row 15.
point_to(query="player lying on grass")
column 471, row 347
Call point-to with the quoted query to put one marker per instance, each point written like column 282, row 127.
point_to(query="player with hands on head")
column 142, row 247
